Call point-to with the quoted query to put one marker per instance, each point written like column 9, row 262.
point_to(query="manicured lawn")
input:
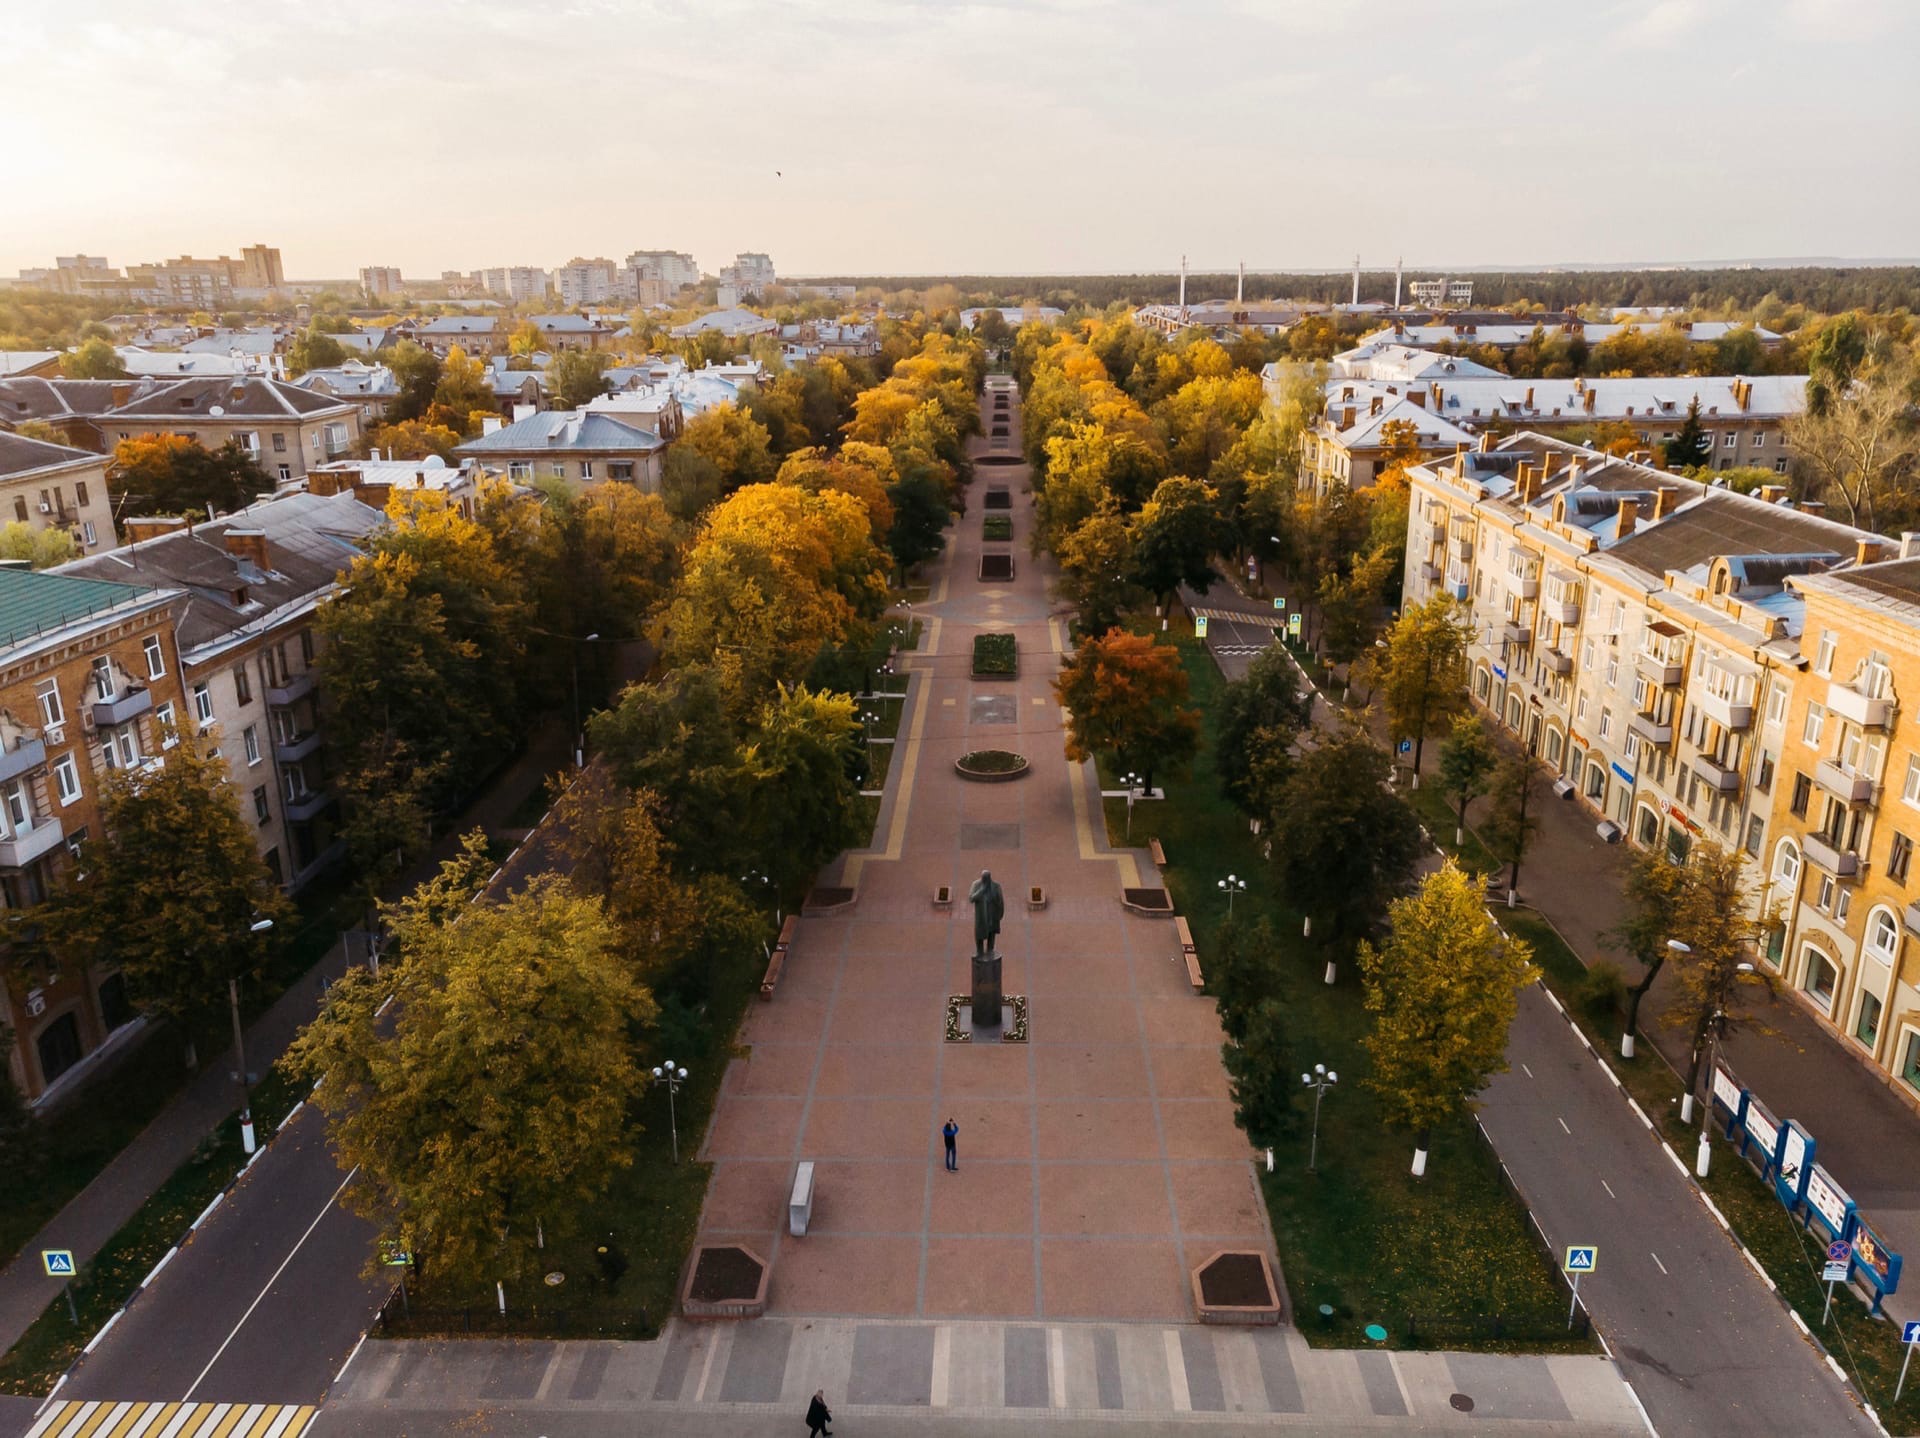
column 1360, row 1234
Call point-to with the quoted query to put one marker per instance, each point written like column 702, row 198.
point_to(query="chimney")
column 151, row 526
column 1347, row 418
column 1662, row 497
column 1772, row 493
column 1418, row 396
column 1629, row 517
column 523, row 411
column 1485, row 443
column 1529, row 397
column 491, row 425
column 1460, row 462
column 1867, row 551
column 1909, row 543
column 249, row 545
column 1523, row 482
column 1576, row 471
column 1374, row 408
column 1815, row 507
column 1587, row 398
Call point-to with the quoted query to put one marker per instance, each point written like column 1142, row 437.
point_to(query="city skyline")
column 954, row 139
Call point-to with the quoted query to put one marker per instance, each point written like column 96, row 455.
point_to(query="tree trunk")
column 1639, row 992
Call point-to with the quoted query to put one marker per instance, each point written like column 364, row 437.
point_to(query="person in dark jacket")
column 818, row 1415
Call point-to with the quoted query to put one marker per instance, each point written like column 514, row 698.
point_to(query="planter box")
column 1236, row 1286
column 979, row 775
column 720, row 1275
column 996, row 567
column 1155, row 903
column 998, row 499
column 828, row 901
column 943, row 897
column 995, row 656
column 1036, row 897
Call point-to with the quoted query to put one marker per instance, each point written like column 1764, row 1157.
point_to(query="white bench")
column 800, row 1202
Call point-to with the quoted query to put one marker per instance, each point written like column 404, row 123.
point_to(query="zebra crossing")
column 105, row 1418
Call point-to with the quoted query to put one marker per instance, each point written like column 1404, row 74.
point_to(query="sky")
column 946, row 136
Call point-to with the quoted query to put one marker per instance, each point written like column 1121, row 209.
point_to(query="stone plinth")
column 986, row 990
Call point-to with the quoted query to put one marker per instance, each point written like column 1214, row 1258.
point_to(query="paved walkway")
column 877, row 1374
column 96, row 1213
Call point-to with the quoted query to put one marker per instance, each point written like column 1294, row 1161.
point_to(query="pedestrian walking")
column 950, row 1131
column 818, row 1414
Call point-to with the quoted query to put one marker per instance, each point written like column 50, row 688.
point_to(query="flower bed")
column 990, row 766
column 996, row 566
column 998, row 499
column 1154, row 902
column 997, row 527
column 1014, row 1032
column 1236, row 1287
column 995, row 655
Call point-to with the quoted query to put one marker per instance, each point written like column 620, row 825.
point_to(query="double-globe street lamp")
column 247, row 1141
column 1132, row 783
column 673, row 1078
column 1320, row 1080
column 1231, row 885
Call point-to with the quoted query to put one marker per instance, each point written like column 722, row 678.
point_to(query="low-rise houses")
column 54, row 486
column 284, row 427
column 579, row 446
column 89, row 683
column 1510, row 332
column 1694, row 664
column 474, row 334
column 734, row 324
column 371, row 386
column 375, row 481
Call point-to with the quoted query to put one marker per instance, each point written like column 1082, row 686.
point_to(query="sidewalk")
column 96, row 1213
column 977, row 1376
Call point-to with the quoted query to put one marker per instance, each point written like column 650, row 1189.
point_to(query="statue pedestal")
column 986, row 991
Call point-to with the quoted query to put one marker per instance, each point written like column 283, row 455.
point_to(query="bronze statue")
column 989, row 908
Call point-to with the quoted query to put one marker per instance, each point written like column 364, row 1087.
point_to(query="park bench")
column 1159, row 854
column 778, row 959
column 1188, row 952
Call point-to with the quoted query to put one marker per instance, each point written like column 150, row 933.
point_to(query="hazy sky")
column 948, row 136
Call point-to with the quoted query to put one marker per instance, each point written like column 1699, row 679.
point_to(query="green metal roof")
column 33, row 604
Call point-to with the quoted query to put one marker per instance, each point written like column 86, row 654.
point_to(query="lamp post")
column 1320, row 1080
column 258, row 926
column 1231, row 885
column 579, row 738
column 1703, row 1156
column 673, row 1077
column 1132, row 781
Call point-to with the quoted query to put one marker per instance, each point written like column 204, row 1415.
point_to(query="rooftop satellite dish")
column 217, row 410
column 433, row 461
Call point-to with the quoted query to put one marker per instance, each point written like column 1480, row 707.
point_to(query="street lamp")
column 258, row 926
column 1231, row 885
column 1132, row 781
column 1320, row 1080
column 673, row 1078
column 579, row 738
column 1703, row 1156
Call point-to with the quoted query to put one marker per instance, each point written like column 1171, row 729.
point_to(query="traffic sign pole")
column 1910, row 1337
column 74, row 1313
column 1574, row 1306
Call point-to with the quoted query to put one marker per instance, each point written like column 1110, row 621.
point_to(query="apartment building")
column 1839, row 871
column 89, row 683
column 284, row 427
column 572, row 332
column 70, row 407
column 251, row 583
column 1349, row 445
column 517, row 282
column 751, row 273
column 375, row 481
column 1510, row 332
column 589, row 282
column 474, row 334
column 54, row 486
column 581, row 446
column 673, row 270
column 381, row 280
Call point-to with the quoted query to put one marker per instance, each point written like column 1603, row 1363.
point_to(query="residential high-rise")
column 260, row 269
column 588, row 282
column 378, row 280
column 672, row 270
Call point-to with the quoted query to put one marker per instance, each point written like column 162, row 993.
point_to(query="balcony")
column 1659, row 670
column 1717, row 775
column 1463, row 546
column 1730, row 714
column 1910, row 916
column 1844, row 784
column 30, row 844
column 1850, row 704
column 1556, row 661
column 1527, row 588
column 1430, row 573
column 293, row 750
column 128, row 704
column 1652, row 730
column 1517, row 635
column 1566, row 611
column 1841, row 863
column 307, row 806
column 28, row 755
column 284, row 696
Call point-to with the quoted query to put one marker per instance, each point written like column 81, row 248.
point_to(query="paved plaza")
column 1099, row 1162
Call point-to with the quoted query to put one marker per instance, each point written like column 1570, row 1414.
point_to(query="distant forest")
column 1821, row 290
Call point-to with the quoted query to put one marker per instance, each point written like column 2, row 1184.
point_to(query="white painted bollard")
column 1704, row 1156
column 1419, row 1163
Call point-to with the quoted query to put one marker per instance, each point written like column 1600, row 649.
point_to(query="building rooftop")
column 352, row 380
column 241, row 397
column 1508, row 332
column 728, row 322
column 456, row 325
column 24, row 399
column 33, row 604
column 13, row 362
column 559, row 431
column 22, row 456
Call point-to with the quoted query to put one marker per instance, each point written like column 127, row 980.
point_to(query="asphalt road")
column 1704, row 1344
column 262, row 1305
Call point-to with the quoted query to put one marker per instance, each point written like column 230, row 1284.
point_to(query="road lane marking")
column 1563, row 1126
column 1659, row 1265
column 328, row 1208
column 356, row 1353
column 1609, row 1188
column 1527, row 1071
column 942, row 1366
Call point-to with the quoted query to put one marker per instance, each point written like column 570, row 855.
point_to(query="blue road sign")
column 1582, row 1258
column 1839, row 1251
column 58, row 1262
column 1406, row 746
column 1910, row 1332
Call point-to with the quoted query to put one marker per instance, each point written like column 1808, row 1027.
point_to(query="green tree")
column 1467, row 762
column 1690, row 447
column 1260, row 1075
column 96, row 358
column 416, row 375
column 171, row 889
column 314, row 348
column 1175, row 537
column 1125, row 695
column 920, row 516
column 41, row 548
column 576, row 376
column 1443, row 991
column 1344, row 844
column 677, row 741
column 802, row 804
column 1258, row 718
column 1422, row 672
column 491, row 1109
column 1096, row 570
column 171, row 474
column 1509, row 827
column 1242, row 972
column 1655, row 890
column 1833, row 359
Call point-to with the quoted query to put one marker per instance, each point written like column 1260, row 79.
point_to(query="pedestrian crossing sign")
column 1199, row 626
column 58, row 1262
column 1279, row 601
column 1582, row 1258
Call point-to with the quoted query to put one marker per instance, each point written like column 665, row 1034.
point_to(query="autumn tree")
column 171, row 888
column 41, row 548
column 414, row 439
column 171, row 474
column 314, row 348
column 1467, row 762
column 576, row 376
column 733, row 442
column 1256, row 721
column 678, row 741
column 1655, row 890
column 1174, row 538
column 463, row 392
column 1344, row 844
column 1714, row 978
column 1443, row 991
column 1096, row 571
column 490, row 1108
column 1205, row 417
column 1512, row 818
column 416, row 375
column 1125, row 695
column 95, row 358
column 1863, row 446
column 1422, row 673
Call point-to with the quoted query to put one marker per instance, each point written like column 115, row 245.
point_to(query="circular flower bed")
column 990, row 765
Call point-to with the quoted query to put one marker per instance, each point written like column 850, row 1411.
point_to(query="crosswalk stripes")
column 105, row 1418
column 1261, row 620
column 1241, row 648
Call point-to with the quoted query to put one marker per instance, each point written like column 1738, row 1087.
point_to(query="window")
column 1786, row 865
column 586, row 469
column 66, row 779
column 1910, row 791
column 519, row 469
column 1842, row 905
column 1642, row 691
column 80, row 492
column 1780, row 465
column 1777, row 704
column 1899, row 858
column 558, row 469
column 1816, row 721
column 156, row 657
column 1481, row 684
column 621, row 469
column 279, row 444
column 203, row 704
column 1867, row 1027
column 261, row 811
column 77, row 840
column 1821, row 977
column 294, row 780
column 1646, row 827
column 248, row 440
column 1613, row 671
column 104, row 684
column 52, row 712
column 1732, row 438
column 306, row 648
column 169, row 731
column 1759, row 439
column 1586, row 655
column 250, row 737
column 20, row 509
column 1606, row 723
column 284, row 472
column 1883, row 936
column 86, row 530
column 1910, row 1060
column 1596, row 781
column 1580, row 716
column 1756, row 828
column 242, row 686
column 19, row 805
column 1763, row 780
column 1823, row 656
